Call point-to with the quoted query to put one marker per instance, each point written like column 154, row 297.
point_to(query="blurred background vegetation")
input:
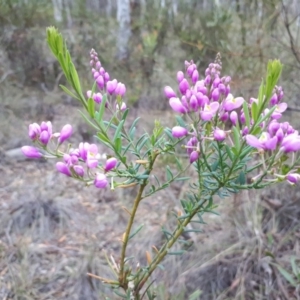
column 252, row 251
column 144, row 43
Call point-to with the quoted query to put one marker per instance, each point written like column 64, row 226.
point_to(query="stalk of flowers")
column 114, row 90
column 82, row 163
column 209, row 110
column 203, row 101
column 42, row 134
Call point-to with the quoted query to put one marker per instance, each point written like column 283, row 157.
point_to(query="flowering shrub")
column 232, row 143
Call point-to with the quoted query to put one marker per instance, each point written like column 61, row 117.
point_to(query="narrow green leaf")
column 241, row 178
column 125, row 114
column 182, row 178
column 133, row 126
column 102, row 107
column 295, row 268
column 103, row 137
column 196, row 295
column 118, row 145
column 286, row 275
column 67, row 91
column 91, row 107
column 179, row 252
column 120, row 294
column 88, row 121
column 169, row 173
column 229, row 153
column 180, row 121
column 236, row 138
column 118, row 131
column 246, row 113
column 136, row 232
column 141, row 145
column 132, row 133
column 254, row 111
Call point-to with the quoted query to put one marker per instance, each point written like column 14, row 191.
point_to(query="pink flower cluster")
column 104, row 84
column 81, row 161
column 77, row 163
column 209, row 100
column 204, row 100
column 42, row 134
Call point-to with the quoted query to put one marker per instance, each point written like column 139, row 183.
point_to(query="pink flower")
column 179, row 132
column 111, row 86
column 265, row 142
column 194, row 156
column 293, row 178
column 34, row 131
column 121, row 107
column 31, row 152
column 209, row 111
column 63, row 168
column 180, row 76
column 100, row 181
column 92, row 157
column 194, row 103
column 100, row 82
column 65, row 133
column 291, row 143
column 169, row 92
column 233, row 117
column 215, row 95
column 120, row 89
column 79, row 170
column 110, row 164
column 280, row 108
column 232, row 103
column 219, row 135
column 195, row 76
column 191, row 145
column 177, row 106
column 183, row 86
column 97, row 97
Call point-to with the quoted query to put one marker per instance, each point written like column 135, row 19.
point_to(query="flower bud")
column 219, row 135
column 45, row 137
column 31, row 152
column 111, row 86
column 110, row 164
column 97, row 97
column 63, row 168
column 293, row 178
column 215, row 95
column 179, row 132
column 100, row 82
column 65, row 133
column 195, row 76
column 194, row 156
column 79, row 170
column 100, row 181
column 123, row 106
column 184, row 86
column 169, row 92
column 194, row 103
column 89, row 94
column 177, row 106
column 234, row 117
column 180, row 76
column 106, row 77
column 34, row 131
column 120, row 89
column 207, row 80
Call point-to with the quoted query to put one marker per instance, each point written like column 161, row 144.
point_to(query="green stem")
column 122, row 275
column 167, row 245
